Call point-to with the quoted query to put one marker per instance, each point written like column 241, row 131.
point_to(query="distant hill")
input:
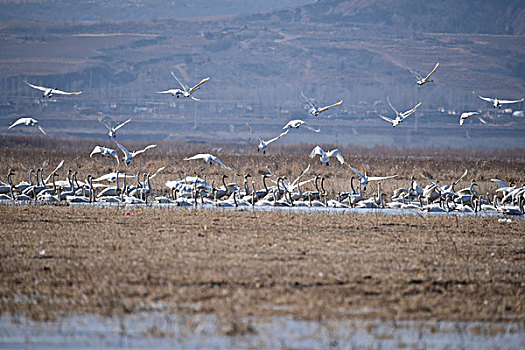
column 443, row 16
column 123, row 10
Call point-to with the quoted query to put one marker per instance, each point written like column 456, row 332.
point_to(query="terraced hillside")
column 259, row 63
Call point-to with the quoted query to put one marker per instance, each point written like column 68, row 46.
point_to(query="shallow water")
column 165, row 330
column 300, row 210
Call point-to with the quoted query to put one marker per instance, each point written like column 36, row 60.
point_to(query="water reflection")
column 166, row 330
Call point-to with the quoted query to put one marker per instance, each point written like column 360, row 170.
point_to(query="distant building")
column 140, row 109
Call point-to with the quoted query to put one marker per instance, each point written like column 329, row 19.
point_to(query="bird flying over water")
column 208, row 158
column 497, row 103
column 186, row 91
column 325, row 156
column 107, row 152
column 48, row 92
column 27, row 122
column 364, row 179
column 420, row 79
column 54, row 171
column 112, row 130
column 128, row 156
column 296, row 123
column 400, row 117
column 111, row 177
column 264, row 143
column 467, row 115
column 315, row 110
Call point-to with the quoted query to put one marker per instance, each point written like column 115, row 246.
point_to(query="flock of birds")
column 132, row 188
column 277, row 191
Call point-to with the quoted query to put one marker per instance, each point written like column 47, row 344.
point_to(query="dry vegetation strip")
column 99, row 260
column 445, row 166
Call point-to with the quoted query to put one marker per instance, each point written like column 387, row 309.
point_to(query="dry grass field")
column 61, row 260
column 57, row 260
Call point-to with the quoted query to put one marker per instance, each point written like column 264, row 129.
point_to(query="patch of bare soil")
column 62, row 260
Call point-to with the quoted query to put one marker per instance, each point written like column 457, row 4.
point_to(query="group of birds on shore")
column 277, row 191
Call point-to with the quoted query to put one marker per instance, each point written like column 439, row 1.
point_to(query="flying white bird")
column 296, row 123
column 128, row 156
column 112, row 131
column 186, row 91
column 364, row 179
column 420, row 79
column 106, row 152
column 208, row 158
column 48, row 92
column 264, row 143
column 315, row 110
column 497, row 103
column 325, row 156
column 157, row 172
column 27, row 122
column 111, row 177
column 467, row 115
column 400, row 117
column 46, row 181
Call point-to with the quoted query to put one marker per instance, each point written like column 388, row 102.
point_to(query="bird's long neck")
column 264, row 184
column 352, row 185
column 195, row 190
column 9, row 179
column 73, row 182
column 224, row 181
column 37, row 176
column 322, row 185
column 246, row 187
column 91, row 193
column 70, row 183
column 125, row 185
column 31, row 177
